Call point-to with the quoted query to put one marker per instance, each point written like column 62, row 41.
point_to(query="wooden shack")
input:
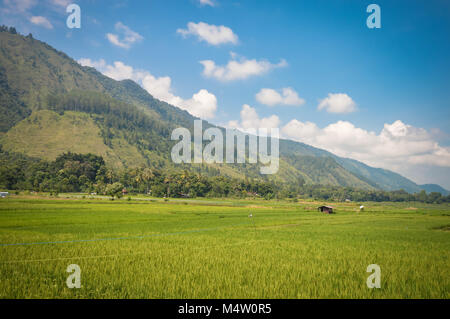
column 325, row 209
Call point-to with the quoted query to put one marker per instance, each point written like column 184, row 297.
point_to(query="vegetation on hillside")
column 88, row 173
column 129, row 128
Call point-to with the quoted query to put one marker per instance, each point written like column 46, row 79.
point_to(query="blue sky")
column 377, row 95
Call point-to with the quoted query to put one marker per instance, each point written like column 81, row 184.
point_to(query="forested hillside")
column 52, row 105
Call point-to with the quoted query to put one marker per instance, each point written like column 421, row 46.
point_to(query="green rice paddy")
column 148, row 248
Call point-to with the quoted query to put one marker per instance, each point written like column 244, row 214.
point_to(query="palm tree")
column 147, row 175
column 110, row 175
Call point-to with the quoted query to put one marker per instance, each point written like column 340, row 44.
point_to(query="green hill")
column 430, row 188
column 51, row 105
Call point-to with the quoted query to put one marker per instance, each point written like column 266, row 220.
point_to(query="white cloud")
column 99, row 65
column 212, row 34
column 271, row 97
column 41, row 21
column 202, row 104
column 337, row 103
column 399, row 146
column 207, row 3
column 300, row 131
column 238, row 70
column 250, row 120
column 61, row 3
column 118, row 71
column 129, row 37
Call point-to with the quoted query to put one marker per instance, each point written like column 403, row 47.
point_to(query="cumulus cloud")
column 238, row 69
column 125, row 37
column 202, row 104
column 398, row 146
column 337, row 103
column 41, row 21
column 250, row 120
column 212, row 34
column 270, row 97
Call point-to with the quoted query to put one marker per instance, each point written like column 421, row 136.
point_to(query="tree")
column 114, row 190
column 110, row 174
column 146, row 176
column 422, row 196
column 159, row 190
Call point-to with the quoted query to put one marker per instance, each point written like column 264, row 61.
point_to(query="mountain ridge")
column 32, row 73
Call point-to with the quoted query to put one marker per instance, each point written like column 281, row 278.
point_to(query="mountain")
column 51, row 104
column 433, row 188
column 376, row 177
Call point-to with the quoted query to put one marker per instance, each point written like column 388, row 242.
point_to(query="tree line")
column 88, row 173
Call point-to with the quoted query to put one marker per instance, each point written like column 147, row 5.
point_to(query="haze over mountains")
column 50, row 104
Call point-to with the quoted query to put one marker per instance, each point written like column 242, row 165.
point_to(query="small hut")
column 325, row 209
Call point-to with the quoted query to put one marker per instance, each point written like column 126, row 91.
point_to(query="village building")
column 325, row 209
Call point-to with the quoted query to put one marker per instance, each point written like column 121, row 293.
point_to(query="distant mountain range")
column 51, row 104
column 430, row 188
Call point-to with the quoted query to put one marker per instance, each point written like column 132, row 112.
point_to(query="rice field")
column 148, row 248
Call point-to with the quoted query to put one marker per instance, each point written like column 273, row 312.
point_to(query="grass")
column 46, row 134
column 211, row 249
